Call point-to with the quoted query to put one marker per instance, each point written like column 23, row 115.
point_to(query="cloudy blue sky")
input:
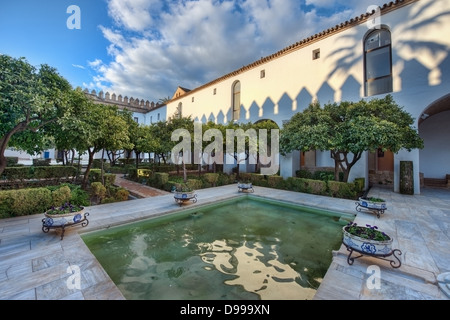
column 147, row 48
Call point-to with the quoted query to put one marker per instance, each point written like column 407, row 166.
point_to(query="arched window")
column 179, row 113
column 378, row 62
column 236, row 100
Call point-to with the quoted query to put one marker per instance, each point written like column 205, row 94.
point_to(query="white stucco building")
column 402, row 49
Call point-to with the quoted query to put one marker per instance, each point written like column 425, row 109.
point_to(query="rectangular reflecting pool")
column 244, row 248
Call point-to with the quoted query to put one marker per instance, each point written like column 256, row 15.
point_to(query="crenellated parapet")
column 131, row 103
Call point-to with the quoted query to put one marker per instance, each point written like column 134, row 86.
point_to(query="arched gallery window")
column 378, row 62
column 236, row 100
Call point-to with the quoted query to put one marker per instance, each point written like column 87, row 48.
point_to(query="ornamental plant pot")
column 245, row 186
column 184, row 195
column 367, row 246
column 53, row 220
column 373, row 203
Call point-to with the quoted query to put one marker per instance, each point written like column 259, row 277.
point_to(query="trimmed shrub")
column 305, row 174
column 276, row 182
column 244, row 177
column 258, row 179
column 342, row 190
column 118, row 194
column 53, row 172
column 109, row 200
column 360, row 183
column 170, row 186
column 98, row 190
column 61, row 196
column 79, row 197
column 194, row 184
column 95, row 175
column 12, row 161
column 225, row 179
column 323, row 175
column 25, row 202
column 132, row 174
column 212, row 178
column 158, row 180
column 110, row 179
column 296, row 184
column 17, row 173
column 316, row 187
column 122, row 194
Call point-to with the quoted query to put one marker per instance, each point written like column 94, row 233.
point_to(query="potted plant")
column 184, row 193
column 65, row 214
column 370, row 241
column 367, row 239
column 373, row 204
column 247, row 185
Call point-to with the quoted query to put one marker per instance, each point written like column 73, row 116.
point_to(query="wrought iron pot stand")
column 394, row 262
column 184, row 198
column 242, row 188
column 47, row 224
column 364, row 206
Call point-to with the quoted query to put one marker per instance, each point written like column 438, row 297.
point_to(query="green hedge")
column 15, row 203
column 12, row 161
column 194, row 184
column 360, row 184
column 17, row 173
column 158, row 180
column 342, row 190
column 95, row 175
column 211, row 178
column 276, row 182
column 52, row 172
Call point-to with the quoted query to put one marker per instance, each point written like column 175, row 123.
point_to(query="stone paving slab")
column 33, row 265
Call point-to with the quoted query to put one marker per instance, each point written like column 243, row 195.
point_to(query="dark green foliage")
column 342, row 190
column 12, row 161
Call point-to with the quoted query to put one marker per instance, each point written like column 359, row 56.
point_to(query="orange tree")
column 348, row 129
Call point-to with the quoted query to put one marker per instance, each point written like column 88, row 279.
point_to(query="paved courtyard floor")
column 34, row 265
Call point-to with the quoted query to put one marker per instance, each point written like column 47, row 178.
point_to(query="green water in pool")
column 240, row 249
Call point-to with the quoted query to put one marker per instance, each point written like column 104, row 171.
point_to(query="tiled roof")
column 388, row 7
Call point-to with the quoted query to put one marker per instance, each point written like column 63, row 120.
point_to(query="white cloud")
column 159, row 45
column 135, row 15
column 78, row 66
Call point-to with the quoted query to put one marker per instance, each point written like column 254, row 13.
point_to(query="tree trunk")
column 184, row 173
column 4, row 144
column 137, row 159
column 88, row 169
column 2, row 162
column 102, row 167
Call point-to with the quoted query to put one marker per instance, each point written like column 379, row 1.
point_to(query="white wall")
column 420, row 56
column 435, row 157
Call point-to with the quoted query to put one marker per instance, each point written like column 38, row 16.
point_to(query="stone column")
column 289, row 164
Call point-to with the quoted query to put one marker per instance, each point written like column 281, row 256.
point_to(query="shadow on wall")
column 426, row 67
